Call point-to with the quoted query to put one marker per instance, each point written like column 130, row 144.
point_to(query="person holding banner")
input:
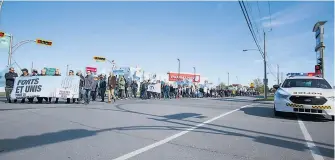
column 71, row 73
column 25, row 73
column 40, row 99
column 10, row 79
column 57, row 73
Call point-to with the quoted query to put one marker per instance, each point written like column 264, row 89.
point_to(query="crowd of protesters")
column 168, row 91
column 116, row 87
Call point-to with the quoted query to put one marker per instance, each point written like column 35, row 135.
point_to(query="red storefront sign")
column 174, row 77
column 92, row 69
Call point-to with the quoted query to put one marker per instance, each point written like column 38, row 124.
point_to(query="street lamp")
column 265, row 80
column 13, row 48
column 245, row 50
column 194, row 74
column 228, row 79
column 178, row 69
column 1, row 2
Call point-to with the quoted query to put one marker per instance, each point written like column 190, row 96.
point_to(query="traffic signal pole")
column 265, row 74
column 10, row 52
column 322, row 62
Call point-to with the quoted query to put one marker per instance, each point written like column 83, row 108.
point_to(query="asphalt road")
column 182, row 129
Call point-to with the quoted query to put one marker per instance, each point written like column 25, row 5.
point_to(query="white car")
column 304, row 94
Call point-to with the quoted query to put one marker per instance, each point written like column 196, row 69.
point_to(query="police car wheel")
column 276, row 113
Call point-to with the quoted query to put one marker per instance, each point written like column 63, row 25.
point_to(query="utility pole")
column 194, row 73
column 228, row 79
column 281, row 77
column 265, row 74
column 10, row 50
column 178, row 69
column 278, row 74
column 32, row 66
column 67, row 69
column 1, row 2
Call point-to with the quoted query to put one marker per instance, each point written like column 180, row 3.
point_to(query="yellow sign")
column 44, row 42
column 252, row 85
column 99, row 59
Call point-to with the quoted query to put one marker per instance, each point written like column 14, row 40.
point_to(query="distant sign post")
column 319, row 46
column 252, row 85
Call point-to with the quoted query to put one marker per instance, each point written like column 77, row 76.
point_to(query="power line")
column 246, row 17
column 253, row 18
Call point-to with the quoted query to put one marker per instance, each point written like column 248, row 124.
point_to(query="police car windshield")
column 310, row 83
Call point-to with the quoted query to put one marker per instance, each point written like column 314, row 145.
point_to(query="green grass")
column 270, row 98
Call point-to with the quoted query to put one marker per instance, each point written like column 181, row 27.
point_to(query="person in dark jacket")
column 102, row 87
column 88, row 85
column 111, row 86
column 10, row 79
column 94, row 88
column 134, row 87
column 81, row 85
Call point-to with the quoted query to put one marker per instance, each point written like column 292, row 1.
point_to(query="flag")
column 4, row 42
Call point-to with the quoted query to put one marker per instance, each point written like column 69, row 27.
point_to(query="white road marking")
column 312, row 147
column 161, row 142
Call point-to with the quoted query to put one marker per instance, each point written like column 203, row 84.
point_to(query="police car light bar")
column 311, row 74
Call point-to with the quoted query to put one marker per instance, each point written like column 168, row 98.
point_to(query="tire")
column 276, row 113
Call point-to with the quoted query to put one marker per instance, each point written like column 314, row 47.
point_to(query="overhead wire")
column 251, row 28
column 253, row 20
column 246, row 17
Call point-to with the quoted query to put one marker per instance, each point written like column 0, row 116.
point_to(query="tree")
column 258, row 84
column 222, row 85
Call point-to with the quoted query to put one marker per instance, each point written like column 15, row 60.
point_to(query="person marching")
column 111, row 86
column 71, row 73
column 10, row 79
column 102, row 87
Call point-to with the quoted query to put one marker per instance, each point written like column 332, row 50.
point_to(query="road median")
column 269, row 100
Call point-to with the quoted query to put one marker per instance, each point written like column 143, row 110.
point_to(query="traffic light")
column 44, row 42
column 317, row 69
column 319, row 62
column 101, row 59
column 2, row 34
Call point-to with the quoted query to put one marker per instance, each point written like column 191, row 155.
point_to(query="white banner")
column 154, row 88
column 46, row 86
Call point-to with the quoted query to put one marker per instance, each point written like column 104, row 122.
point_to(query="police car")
column 301, row 93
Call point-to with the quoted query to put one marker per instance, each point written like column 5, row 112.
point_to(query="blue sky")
column 207, row 35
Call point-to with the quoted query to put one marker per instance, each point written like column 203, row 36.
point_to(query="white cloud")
column 273, row 16
column 288, row 16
